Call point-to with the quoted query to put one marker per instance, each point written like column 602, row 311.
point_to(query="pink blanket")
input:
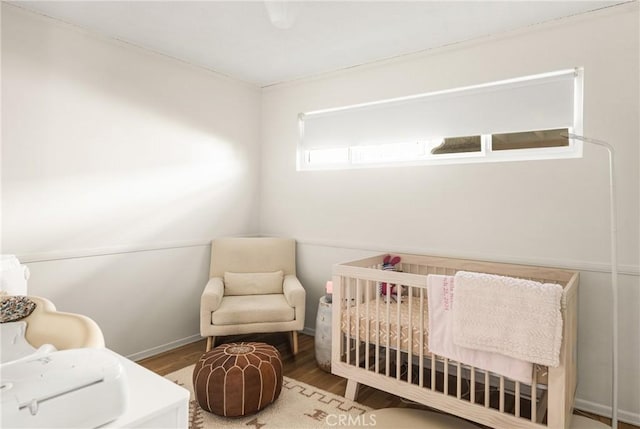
column 440, row 293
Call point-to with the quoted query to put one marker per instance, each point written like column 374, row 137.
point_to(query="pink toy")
column 389, row 264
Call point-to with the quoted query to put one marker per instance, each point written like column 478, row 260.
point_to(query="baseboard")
column 605, row 410
column 164, row 348
column 309, row 331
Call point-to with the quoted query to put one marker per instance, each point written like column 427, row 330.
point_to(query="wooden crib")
column 384, row 345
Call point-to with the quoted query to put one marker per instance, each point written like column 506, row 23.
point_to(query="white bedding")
column 440, row 291
column 515, row 317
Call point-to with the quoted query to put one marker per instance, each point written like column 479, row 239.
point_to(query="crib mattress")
column 386, row 334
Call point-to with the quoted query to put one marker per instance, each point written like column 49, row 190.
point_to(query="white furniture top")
column 154, row 401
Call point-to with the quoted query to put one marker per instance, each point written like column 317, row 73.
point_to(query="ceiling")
column 237, row 39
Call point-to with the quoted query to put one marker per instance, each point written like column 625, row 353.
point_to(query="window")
column 517, row 119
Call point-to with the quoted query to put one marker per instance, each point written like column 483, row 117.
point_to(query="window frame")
column 486, row 154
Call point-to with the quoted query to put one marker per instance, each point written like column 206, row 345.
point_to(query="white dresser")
column 154, row 401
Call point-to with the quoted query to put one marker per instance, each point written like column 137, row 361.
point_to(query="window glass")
column 329, row 156
column 530, row 139
column 459, row 145
column 387, row 152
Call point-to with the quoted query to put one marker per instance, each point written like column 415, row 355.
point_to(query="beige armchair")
column 252, row 288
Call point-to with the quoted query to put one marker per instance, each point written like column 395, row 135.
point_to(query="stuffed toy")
column 390, row 290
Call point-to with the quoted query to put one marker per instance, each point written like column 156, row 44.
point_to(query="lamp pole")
column 614, row 273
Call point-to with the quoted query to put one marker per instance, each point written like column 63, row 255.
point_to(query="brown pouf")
column 238, row 379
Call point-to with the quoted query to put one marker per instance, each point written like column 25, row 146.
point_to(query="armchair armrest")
column 293, row 291
column 212, row 296
column 209, row 302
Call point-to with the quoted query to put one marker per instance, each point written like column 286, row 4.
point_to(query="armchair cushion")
column 252, row 255
column 253, row 283
column 236, row 310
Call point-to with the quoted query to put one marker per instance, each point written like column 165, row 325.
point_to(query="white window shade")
column 533, row 103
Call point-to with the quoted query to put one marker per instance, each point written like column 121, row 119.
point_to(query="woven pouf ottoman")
column 238, row 379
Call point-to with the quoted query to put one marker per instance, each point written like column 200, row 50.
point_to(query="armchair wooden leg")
column 294, row 342
column 211, row 342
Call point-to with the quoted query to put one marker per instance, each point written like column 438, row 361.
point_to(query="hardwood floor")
column 303, row 368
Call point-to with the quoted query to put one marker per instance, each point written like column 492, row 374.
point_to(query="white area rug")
column 299, row 406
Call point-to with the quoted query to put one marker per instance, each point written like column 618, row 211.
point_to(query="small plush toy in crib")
column 390, row 290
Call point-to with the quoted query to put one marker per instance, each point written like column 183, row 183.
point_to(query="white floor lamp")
column 578, row 421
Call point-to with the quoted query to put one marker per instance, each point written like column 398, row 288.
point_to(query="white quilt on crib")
column 515, row 317
column 440, row 291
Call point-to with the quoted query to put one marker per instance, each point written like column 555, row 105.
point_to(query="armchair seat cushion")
column 243, row 309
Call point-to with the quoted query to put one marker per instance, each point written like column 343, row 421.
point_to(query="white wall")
column 544, row 212
column 109, row 149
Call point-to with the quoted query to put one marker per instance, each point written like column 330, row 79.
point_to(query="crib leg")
column 352, row 390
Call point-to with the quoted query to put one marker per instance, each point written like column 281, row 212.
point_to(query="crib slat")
column 377, row 331
column 534, row 407
column 367, row 328
column 349, row 305
column 427, row 271
column 433, row 371
column 421, row 337
column 486, row 389
column 410, row 337
column 446, row 376
column 398, row 333
column 345, row 305
column 388, row 342
column 472, row 386
column 459, row 381
column 501, row 407
column 358, row 320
